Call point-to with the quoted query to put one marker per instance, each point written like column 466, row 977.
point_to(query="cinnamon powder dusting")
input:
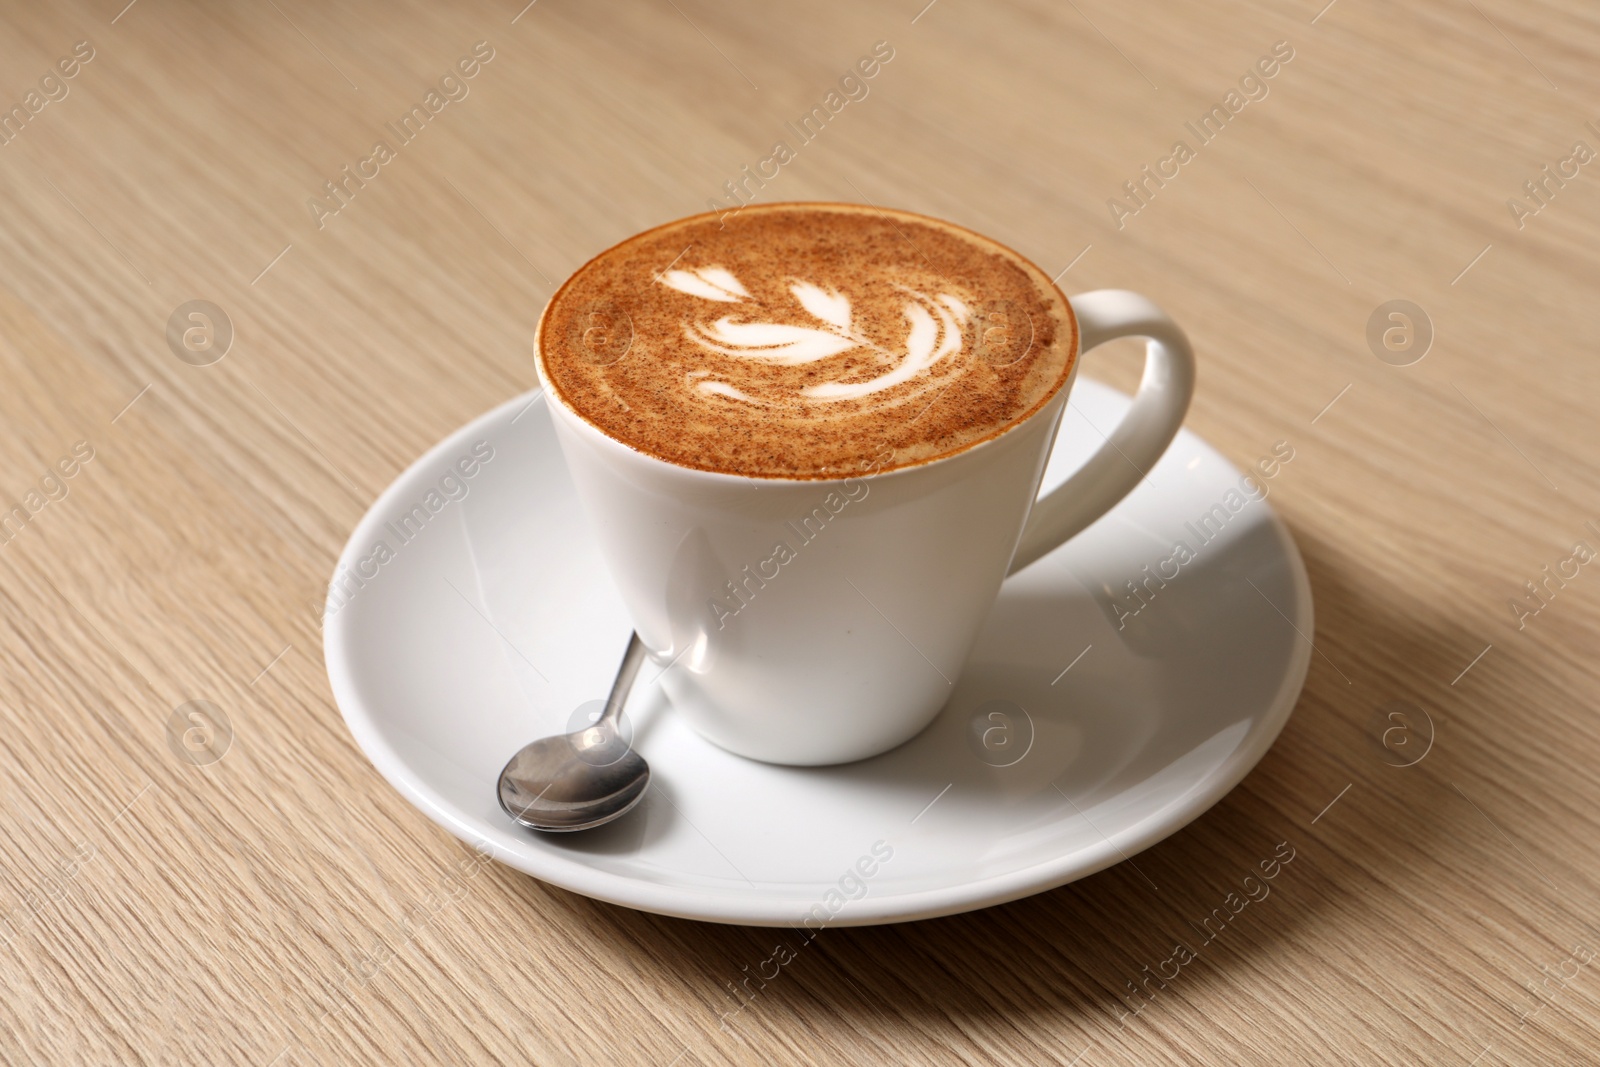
column 806, row 341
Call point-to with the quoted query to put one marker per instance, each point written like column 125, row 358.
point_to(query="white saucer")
column 436, row 662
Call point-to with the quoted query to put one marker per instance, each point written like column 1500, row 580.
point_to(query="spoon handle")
column 632, row 660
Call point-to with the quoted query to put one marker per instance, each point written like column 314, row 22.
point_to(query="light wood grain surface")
column 158, row 911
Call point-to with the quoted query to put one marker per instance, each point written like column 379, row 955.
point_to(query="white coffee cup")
column 815, row 622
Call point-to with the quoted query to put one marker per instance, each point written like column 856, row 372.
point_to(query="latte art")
column 797, row 340
column 934, row 333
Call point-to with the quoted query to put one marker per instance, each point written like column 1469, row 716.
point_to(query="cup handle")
column 1139, row 439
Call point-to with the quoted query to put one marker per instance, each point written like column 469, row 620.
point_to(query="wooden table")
column 163, row 909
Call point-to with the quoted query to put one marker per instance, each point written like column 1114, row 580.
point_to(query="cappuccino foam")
column 806, row 341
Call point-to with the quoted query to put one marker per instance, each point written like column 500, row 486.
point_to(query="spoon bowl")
column 580, row 780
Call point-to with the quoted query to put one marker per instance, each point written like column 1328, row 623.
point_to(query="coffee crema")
column 806, row 341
